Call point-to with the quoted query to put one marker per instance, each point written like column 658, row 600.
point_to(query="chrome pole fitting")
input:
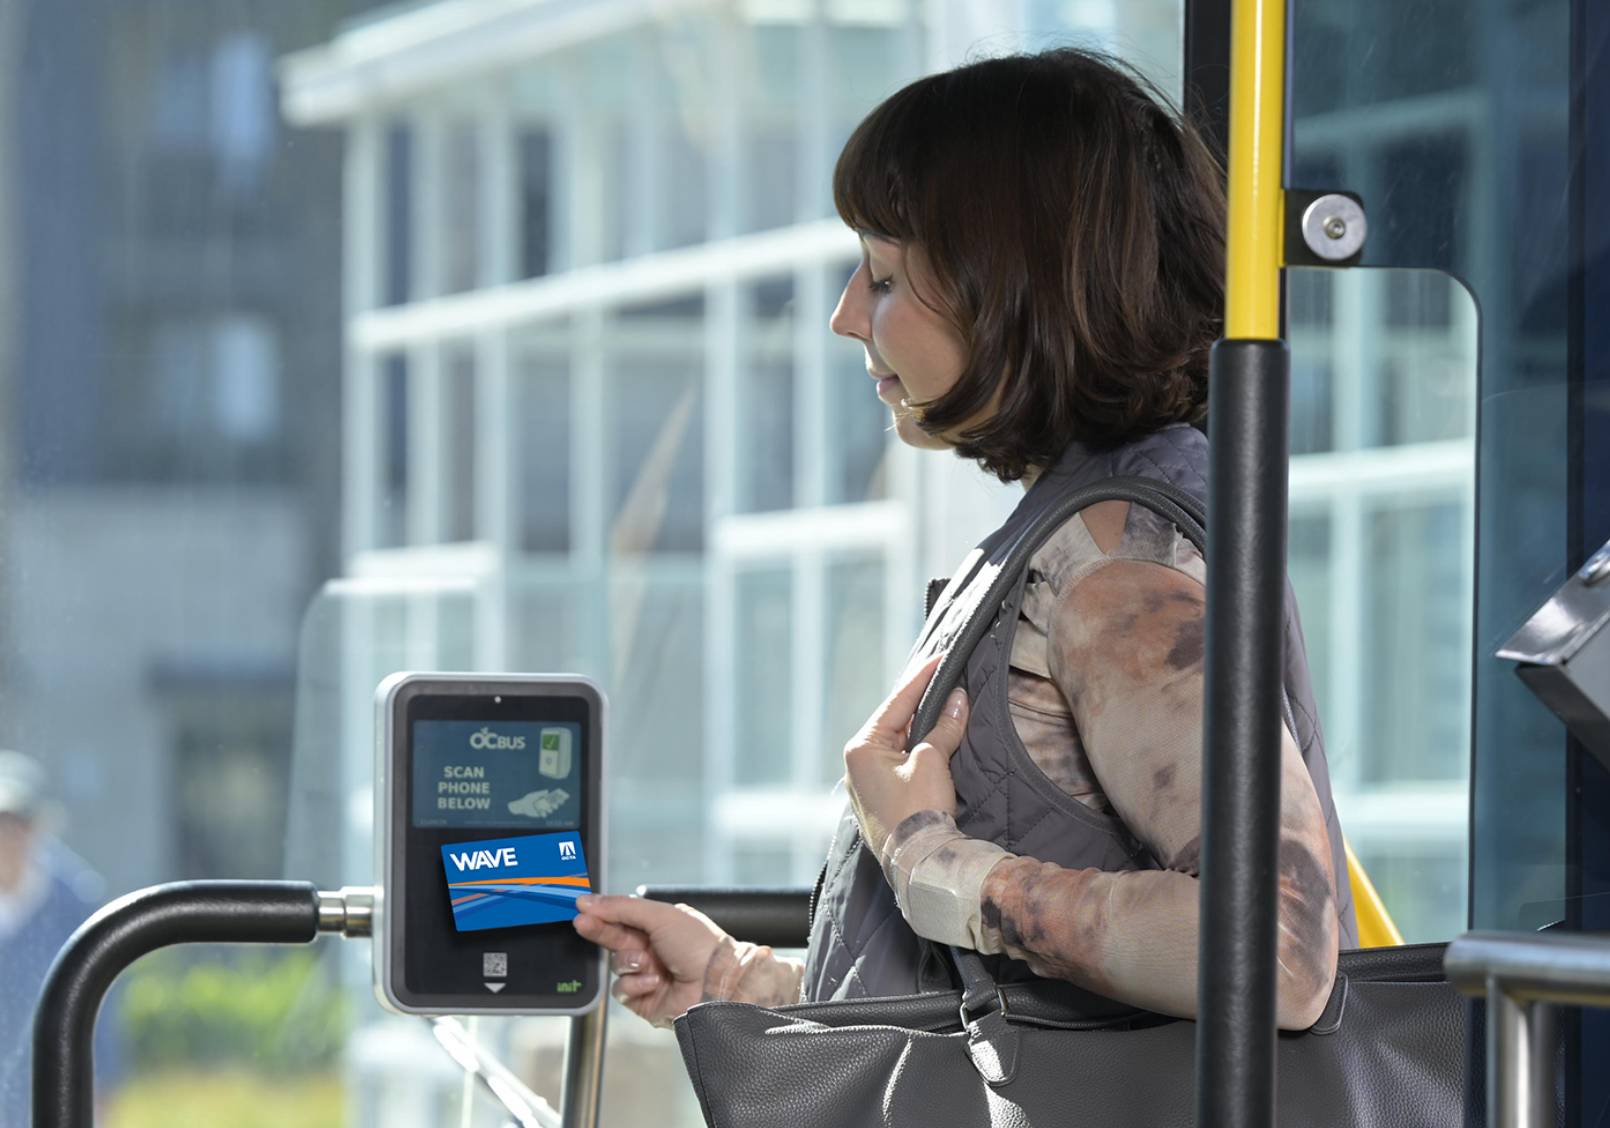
column 350, row 911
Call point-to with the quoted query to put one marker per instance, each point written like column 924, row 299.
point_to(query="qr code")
column 495, row 965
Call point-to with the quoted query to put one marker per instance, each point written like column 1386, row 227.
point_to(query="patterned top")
column 1105, row 690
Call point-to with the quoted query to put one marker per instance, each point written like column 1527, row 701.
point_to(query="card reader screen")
column 506, row 774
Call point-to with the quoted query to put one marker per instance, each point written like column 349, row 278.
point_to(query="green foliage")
column 233, row 1097
column 276, row 1011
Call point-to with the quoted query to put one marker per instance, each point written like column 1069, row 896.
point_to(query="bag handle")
column 979, row 988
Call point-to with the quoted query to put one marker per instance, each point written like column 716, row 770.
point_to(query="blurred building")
column 170, row 378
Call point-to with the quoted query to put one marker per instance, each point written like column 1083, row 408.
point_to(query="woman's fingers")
column 627, row 961
column 633, row 912
column 946, row 735
column 615, row 937
column 889, row 724
column 633, row 986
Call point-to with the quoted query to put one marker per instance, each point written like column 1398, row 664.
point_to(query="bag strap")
column 1162, row 497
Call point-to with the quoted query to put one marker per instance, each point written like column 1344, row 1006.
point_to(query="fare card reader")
column 488, row 825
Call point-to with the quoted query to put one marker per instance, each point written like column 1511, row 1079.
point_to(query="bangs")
column 873, row 184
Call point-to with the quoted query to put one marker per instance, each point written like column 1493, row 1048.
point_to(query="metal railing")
column 1525, row 978
column 297, row 912
column 219, row 912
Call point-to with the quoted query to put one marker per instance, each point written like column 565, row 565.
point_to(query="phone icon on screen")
column 555, row 755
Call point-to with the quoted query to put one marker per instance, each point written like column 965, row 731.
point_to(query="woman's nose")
column 850, row 317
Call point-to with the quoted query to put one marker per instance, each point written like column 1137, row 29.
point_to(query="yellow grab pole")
column 1375, row 927
column 1257, row 153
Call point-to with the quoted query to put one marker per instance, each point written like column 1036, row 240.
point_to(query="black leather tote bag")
column 1389, row 1051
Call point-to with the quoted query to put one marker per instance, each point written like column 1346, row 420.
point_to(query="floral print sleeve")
column 1123, row 649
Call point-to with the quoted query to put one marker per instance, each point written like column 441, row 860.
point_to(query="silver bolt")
column 1334, row 227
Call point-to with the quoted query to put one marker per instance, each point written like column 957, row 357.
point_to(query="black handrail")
column 779, row 916
column 183, row 912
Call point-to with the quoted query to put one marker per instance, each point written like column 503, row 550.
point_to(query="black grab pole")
column 1241, row 775
column 185, row 912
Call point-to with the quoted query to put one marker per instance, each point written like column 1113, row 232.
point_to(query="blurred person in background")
column 46, row 891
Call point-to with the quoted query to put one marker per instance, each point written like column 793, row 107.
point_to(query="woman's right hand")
column 659, row 952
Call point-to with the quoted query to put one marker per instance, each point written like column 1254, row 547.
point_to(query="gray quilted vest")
column 860, row 945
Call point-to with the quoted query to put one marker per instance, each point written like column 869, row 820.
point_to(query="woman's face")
column 912, row 351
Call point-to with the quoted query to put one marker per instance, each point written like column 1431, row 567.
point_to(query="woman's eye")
column 880, row 285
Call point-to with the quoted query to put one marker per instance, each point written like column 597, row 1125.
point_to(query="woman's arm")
column 1126, row 648
column 666, row 958
column 752, row 973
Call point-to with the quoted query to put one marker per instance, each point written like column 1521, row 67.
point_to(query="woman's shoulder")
column 1058, row 570
column 1106, row 532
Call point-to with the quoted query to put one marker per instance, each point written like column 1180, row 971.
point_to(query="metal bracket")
column 1563, row 654
column 1324, row 227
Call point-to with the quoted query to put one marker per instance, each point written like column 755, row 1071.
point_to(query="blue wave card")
column 503, row 882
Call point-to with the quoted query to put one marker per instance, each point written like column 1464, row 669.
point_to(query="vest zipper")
column 821, row 878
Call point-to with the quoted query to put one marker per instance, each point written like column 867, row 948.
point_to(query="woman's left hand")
column 886, row 784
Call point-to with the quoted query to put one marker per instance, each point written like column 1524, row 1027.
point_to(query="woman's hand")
column 886, row 785
column 659, row 952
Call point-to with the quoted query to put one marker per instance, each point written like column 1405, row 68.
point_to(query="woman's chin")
column 905, row 427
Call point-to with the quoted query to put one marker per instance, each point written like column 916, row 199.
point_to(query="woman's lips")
column 889, row 386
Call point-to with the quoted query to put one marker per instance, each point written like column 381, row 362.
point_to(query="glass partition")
column 1381, row 551
column 1452, row 119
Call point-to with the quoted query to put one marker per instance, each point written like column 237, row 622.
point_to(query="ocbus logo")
column 486, row 738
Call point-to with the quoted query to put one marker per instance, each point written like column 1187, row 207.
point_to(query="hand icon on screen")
column 539, row 804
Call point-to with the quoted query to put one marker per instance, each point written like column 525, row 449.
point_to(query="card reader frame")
column 393, row 815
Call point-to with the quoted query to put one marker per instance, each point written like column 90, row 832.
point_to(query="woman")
column 1040, row 283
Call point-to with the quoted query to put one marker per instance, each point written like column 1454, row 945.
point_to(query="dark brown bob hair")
column 1074, row 225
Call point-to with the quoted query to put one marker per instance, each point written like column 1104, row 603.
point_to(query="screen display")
column 504, row 774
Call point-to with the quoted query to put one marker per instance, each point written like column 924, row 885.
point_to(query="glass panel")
column 854, row 671
column 764, row 864
column 658, row 795
column 1423, row 882
column 1380, row 555
column 656, row 427
column 397, row 188
column 544, row 412
column 535, row 152
column 392, row 520
column 1417, row 611
column 764, row 697
column 1452, row 120
column 769, row 65
column 766, row 397
column 460, row 427
column 1308, row 564
column 459, row 224
column 548, row 615
column 668, row 203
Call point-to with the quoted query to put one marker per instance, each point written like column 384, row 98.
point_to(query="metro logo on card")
column 502, row 882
